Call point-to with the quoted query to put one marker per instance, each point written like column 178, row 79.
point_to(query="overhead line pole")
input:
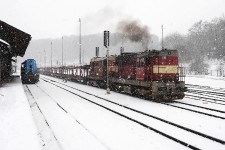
column 80, row 42
column 62, row 54
column 162, row 37
column 51, row 56
column 44, row 61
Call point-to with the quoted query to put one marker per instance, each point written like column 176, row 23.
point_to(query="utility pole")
column 80, row 43
column 106, row 44
column 51, row 56
column 162, row 37
column 44, row 61
column 62, row 54
column 122, row 48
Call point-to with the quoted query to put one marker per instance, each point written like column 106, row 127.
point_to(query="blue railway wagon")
column 29, row 72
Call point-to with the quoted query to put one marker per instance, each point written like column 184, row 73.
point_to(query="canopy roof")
column 17, row 39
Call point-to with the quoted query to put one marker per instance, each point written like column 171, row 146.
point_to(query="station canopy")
column 17, row 39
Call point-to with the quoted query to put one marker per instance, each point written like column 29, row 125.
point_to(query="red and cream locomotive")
column 154, row 74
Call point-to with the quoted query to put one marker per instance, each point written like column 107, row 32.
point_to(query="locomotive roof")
column 30, row 60
column 17, row 39
column 112, row 57
column 168, row 52
column 97, row 59
column 159, row 53
column 125, row 56
column 129, row 53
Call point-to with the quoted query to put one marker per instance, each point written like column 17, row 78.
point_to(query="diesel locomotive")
column 153, row 74
column 29, row 72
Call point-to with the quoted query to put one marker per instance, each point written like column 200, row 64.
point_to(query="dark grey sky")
column 54, row 18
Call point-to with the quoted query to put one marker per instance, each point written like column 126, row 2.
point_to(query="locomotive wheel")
column 180, row 96
column 134, row 92
column 112, row 87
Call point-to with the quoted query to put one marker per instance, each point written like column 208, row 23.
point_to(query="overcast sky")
column 54, row 18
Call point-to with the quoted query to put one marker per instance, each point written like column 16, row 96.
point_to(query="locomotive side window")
column 164, row 57
column 137, row 63
column 142, row 62
column 148, row 61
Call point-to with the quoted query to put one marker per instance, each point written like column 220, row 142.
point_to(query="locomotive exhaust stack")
column 97, row 51
column 135, row 31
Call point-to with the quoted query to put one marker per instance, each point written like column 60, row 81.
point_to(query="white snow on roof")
column 4, row 41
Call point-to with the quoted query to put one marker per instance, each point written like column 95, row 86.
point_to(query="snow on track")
column 70, row 134
column 182, row 134
column 47, row 136
column 17, row 128
column 115, row 132
column 205, row 124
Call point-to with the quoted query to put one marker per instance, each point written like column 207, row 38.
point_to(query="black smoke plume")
column 135, row 31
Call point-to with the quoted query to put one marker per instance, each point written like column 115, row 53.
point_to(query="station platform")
column 17, row 127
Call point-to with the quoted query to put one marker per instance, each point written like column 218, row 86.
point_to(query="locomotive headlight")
column 177, row 76
column 161, row 76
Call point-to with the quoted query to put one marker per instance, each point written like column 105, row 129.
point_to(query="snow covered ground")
column 67, row 121
column 17, row 128
column 204, row 80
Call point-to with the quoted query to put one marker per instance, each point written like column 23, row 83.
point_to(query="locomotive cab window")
column 164, row 57
column 148, row 61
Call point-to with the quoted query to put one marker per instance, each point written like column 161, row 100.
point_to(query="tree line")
column 204, row 41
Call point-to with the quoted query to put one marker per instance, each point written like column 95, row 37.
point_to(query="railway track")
column 196, row 111
column 124, row 108
column 214, row 96
column 206, row 94
column 204, row 99
column 68, row 113
column 35, row 104
column 218, row 93
column 197, row 97
column 206, row 108
column 168, row 104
